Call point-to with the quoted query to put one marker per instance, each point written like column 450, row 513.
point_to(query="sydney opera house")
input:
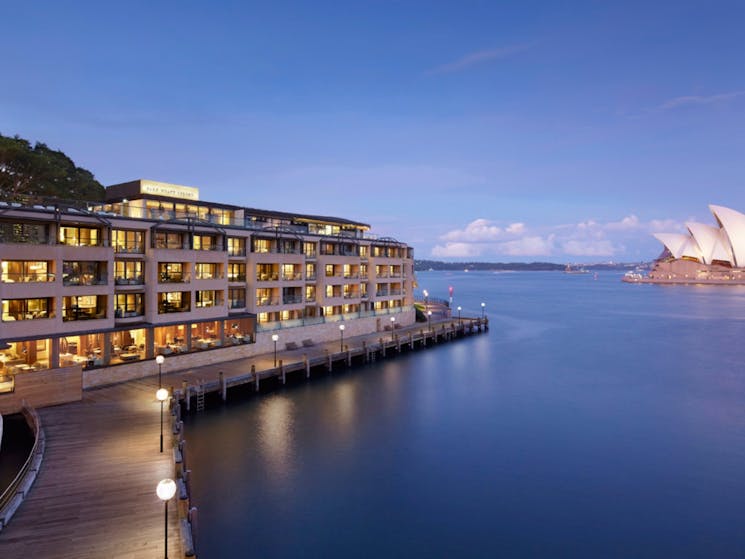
column 707, row 254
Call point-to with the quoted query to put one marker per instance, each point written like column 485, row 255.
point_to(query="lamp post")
column 483, row 306
column 429, row 317
column 341, row 332
column 162, row 395
column 426, row 299
column 160, row 360
column 459, row 309
column 275, row 337
column 393, row 328
column 165, row 490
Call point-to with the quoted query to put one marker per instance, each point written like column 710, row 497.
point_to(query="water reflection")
column 276, row 437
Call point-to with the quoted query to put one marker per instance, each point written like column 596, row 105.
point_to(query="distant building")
column 153, row 270
column 708, row 253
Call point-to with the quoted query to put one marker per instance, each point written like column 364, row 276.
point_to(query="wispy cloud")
column 475, row 58
column 686, row 100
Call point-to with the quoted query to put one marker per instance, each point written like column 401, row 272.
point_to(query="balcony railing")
column 168, row 307
column 267, row 277
column 129, row 248
column 292, row 277
column 122, row 280
column 166, row 277
column 292, row 299
column 266, row 301
column 11, row 277
column 85, row 279
column 237, row 277
column 237, row 304
column 310, row 277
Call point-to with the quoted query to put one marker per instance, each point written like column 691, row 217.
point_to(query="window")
column 310, row 271
column 174, row 301
column 263, row 296
column 128, row 272
column 208, row 298
column 237, row 298
column 129, row 304
column 128, row 241
column 205, row 242
column 168, row 239
column 207, row 270
column 84, row 273
column 83, row 307
column 309, row 250
column 79, row 236
column 36, row 234
column 14, row 271
column 26, row 309
column 236, row 272
column 236, row 246
column 262, row 245
column 172, row 272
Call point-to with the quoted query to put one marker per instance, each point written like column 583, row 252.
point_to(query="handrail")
column 27, row 474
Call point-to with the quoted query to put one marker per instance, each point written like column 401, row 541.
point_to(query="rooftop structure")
column 153, row 270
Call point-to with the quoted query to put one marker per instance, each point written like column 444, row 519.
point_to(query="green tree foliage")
column 33, row 173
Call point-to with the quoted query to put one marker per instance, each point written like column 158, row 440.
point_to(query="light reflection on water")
column 595, row 419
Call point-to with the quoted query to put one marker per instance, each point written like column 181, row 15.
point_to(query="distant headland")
column 426, row 265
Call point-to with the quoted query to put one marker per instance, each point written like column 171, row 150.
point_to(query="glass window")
column 14, row 271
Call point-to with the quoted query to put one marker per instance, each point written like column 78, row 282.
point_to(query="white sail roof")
column 680, row 245
column 733, row 224
column 712, row 241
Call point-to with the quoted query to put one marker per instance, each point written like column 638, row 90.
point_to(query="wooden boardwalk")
column 95, row 494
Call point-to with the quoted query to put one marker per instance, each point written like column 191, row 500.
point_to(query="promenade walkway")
column 95, row 494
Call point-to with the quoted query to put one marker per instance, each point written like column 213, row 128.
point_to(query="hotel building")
column 91, row 294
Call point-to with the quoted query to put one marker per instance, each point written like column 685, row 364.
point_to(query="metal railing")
column 27, row 474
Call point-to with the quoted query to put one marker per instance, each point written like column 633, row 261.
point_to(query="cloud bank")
column 482, row 238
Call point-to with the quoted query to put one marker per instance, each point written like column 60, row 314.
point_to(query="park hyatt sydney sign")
column 171, row 190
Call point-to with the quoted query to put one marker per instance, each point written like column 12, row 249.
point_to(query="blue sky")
column 495, row 131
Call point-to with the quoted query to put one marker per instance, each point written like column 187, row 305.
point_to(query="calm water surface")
column 595, row 419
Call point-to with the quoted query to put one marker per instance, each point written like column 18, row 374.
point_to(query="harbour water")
column 594, row 419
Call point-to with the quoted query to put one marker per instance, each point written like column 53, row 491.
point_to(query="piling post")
column 365, row 351
column 411, row 340
column 256, row 376
column 188, row 397
column 328, row 360
column 307, row 365
column 223, row 386
column 382, row 347
column 282, row 371
column 349, row 356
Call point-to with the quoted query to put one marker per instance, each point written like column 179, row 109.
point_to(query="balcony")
column 121, row 280
column 85, row 279
column 237, row 304
column 129, row 248
column 266, row 302
column 10, row 277
column 166, row 277
column 166, row 307
column 292, row 277
column 292, row 299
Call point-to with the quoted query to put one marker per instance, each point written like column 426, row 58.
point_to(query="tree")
column 29, row 174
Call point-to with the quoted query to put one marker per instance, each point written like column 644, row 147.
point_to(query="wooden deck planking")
column 95, row 494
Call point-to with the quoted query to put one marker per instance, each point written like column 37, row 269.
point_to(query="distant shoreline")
column 433, row 265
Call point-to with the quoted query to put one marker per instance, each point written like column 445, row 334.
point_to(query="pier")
column 304, row 360
column 95, row 492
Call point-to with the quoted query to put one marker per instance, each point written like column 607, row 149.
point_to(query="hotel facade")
column 91, row 294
